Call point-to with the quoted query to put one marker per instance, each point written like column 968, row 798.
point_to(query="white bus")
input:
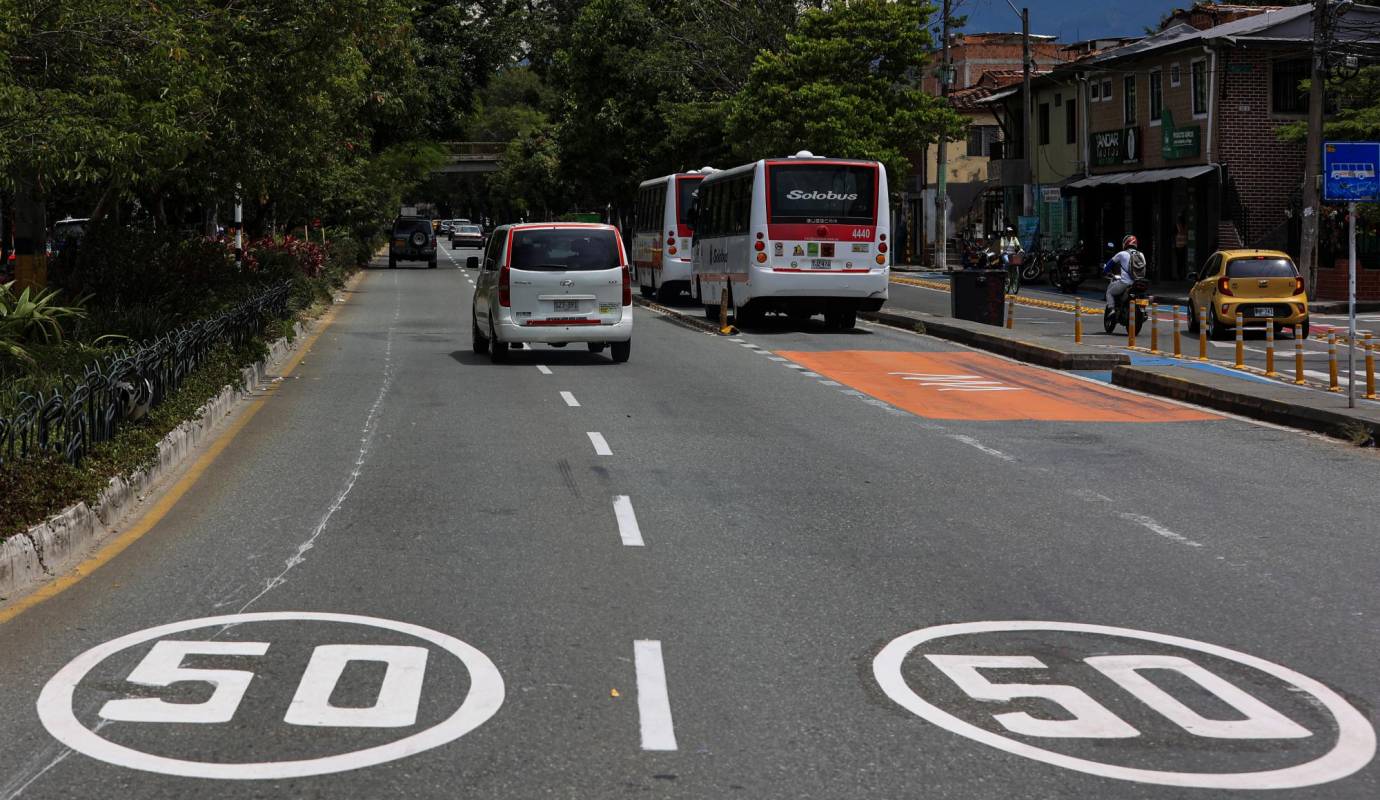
column 800, row 236
column 661, row 234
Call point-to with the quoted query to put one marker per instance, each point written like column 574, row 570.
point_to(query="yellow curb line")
column 164, row 504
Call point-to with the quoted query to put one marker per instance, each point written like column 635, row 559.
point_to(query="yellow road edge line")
column 160, row 509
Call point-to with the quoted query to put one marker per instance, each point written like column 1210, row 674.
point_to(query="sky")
column 1070, row 20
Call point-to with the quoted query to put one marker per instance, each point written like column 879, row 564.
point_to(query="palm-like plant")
column 31, row 316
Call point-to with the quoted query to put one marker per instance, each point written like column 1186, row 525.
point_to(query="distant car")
column 447, row 225
column 471, row 236
column 553, row 283
column 1264, row 286
column 68, row 233
column 413, row 239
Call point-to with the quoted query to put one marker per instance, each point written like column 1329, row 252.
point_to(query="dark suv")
column 413, row 239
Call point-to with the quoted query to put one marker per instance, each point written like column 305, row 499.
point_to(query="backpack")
column 1137, row 264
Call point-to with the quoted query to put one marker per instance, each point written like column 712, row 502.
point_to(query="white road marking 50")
column 397, row 704
column 1355, row 738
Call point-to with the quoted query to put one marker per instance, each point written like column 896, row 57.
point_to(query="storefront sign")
column 1051, row 194
column 1113, row 148
column 1177, row 142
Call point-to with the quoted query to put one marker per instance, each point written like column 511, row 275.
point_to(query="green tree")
column 846, row 84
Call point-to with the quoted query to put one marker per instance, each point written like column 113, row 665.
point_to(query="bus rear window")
column 685, row 190
column 1261, row 268
column 823, row 193
column 565, row 249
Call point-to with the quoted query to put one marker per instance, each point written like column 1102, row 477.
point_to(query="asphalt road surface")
column 787, row 564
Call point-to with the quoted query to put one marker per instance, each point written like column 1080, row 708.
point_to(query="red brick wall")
column 1266, row 171
column 1332, row 283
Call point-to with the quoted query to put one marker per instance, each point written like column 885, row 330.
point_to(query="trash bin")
column 979, row 295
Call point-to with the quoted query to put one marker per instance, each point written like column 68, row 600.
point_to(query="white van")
column 553, row 283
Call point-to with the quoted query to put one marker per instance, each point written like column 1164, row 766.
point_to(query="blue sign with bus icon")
column 1350, row 172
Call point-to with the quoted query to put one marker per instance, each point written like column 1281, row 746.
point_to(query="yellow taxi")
column 1263, row 286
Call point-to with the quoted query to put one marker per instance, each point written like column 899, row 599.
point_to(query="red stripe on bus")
column 821, row 271
column 532, row 323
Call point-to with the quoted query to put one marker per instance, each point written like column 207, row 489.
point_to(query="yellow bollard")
column 1332, row 363
column 1370, row 368
column 1178, row 350
column 1298, row 359
column 1078, row 320
column 1270, row 350
column 1202, row 333
column 1154, row 327
column 1240, row 341
column 1010, row 311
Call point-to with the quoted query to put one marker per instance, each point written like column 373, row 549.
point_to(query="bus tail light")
column 670, row 241
column 672, row 250
column 505, row 288
column 759, row 246
column 627, row 286
column 881, row 248
column 1224, row 287
column 881, row 260
column 761, row 258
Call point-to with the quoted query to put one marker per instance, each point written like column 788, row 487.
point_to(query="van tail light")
column 1224, row 287
column 627, row 286
column 1298, row 285
column 505, row 288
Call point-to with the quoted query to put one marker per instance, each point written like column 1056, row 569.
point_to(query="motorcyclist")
column 1121, row 269
column 1010, row 243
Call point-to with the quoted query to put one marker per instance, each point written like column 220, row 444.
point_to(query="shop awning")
column 1141, row 176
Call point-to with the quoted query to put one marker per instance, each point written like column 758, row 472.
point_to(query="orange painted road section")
column 973, row 386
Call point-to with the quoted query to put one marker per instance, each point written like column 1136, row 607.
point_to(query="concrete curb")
column 47, row 549
column 1276, row 404
column 1050, row 353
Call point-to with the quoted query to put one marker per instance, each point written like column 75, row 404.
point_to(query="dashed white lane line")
column 748, row 345
column 779, row 359
column 795, row 366
column 543, row 369
column 1158, row 529
column 810, row 374
column 971, row 442
column 570, row 400
column 653, row 702
column 627, row 521
column 601, row 447
column 831, row 383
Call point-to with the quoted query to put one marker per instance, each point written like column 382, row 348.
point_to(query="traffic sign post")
column 1351, row 175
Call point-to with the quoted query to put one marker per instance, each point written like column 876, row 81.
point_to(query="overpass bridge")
column 472, row 157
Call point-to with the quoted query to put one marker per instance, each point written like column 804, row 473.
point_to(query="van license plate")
column 567, row 305
column 821, row 263
column 1265, row 311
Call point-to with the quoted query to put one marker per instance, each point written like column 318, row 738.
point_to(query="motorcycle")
column 1120, row 314
column 1066, row 269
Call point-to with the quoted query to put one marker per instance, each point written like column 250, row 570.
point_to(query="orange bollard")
column 1270, row 350
column 1078, row 321
column 1370, row 368
column 1178, row 350
column 1010, row 311
column 1240, row 341
column 1154, row 327
column 1332, row 385
column 1298, row 359
column 1202, row 334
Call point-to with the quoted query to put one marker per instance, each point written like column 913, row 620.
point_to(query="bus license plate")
column 1265, row 311
column 567, row 305
column 821, row 263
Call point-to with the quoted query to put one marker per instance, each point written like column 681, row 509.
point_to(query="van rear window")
column 1261, row 268
column 565, row 249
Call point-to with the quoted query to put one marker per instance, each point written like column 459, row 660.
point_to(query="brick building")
column 1181, row 143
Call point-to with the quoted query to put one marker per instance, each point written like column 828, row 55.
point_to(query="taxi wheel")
column 1192, row 319
column 478, row 343
column 620, row 351
column 1216, row 330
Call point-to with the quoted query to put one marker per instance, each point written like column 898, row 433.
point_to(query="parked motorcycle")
column 1066, row 269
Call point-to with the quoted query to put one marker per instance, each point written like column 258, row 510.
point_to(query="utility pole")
column 1029, row 204
column 941, row 195
column 1308, row 239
